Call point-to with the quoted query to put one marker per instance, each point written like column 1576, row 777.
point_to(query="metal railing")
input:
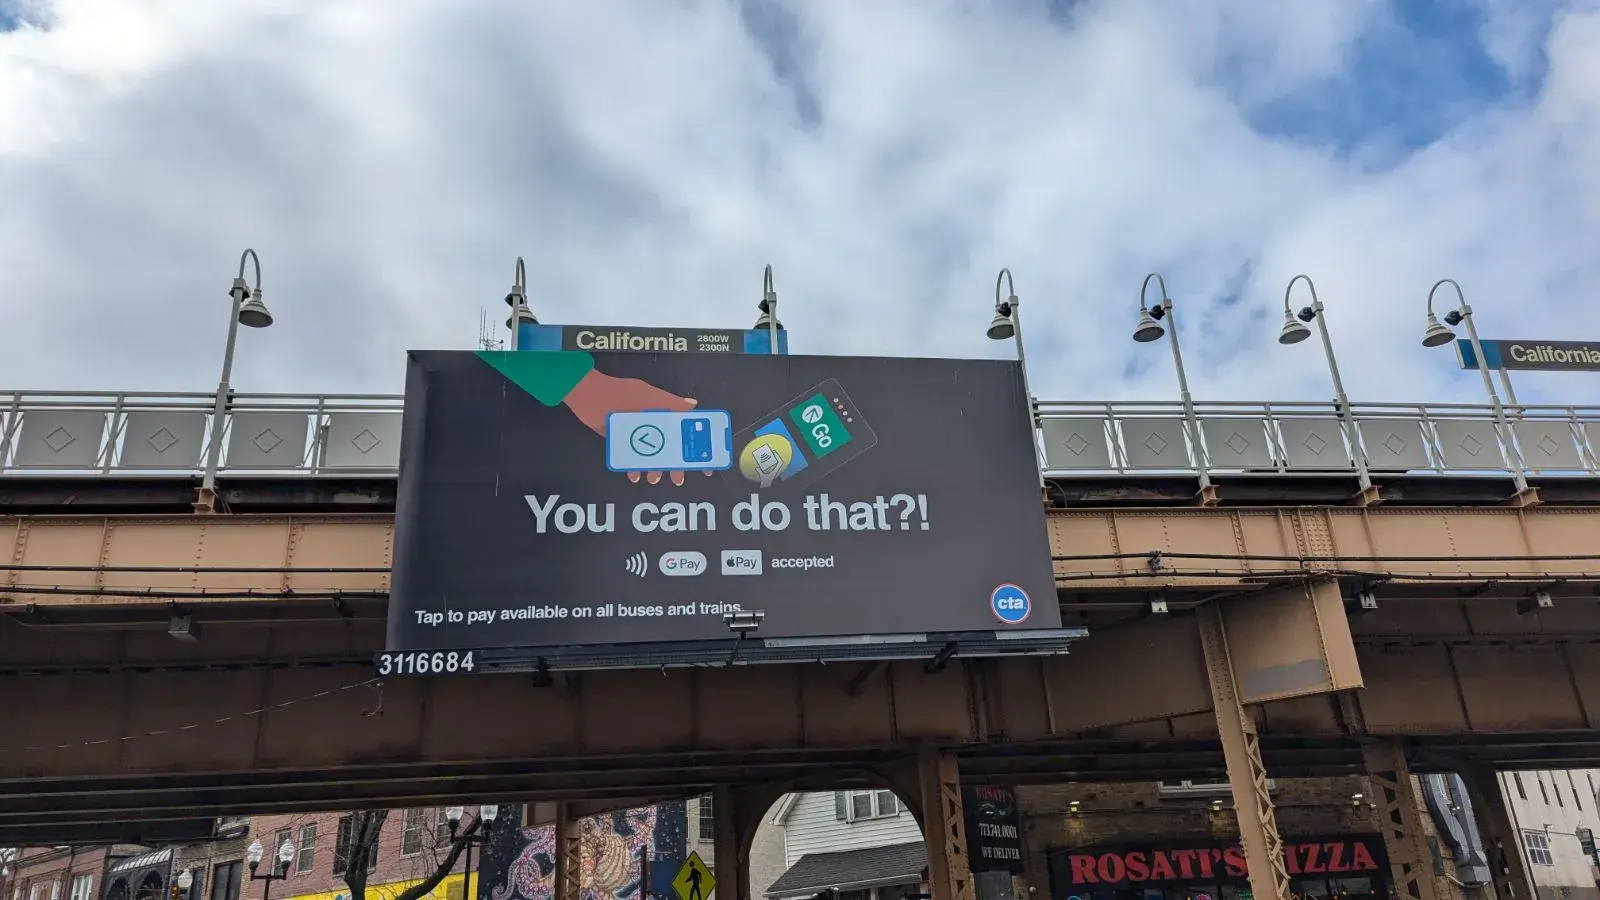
column 67, row 433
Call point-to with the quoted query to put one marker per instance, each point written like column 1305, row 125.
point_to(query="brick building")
column 411, row 846
column 1329, row 822
column 61, row 873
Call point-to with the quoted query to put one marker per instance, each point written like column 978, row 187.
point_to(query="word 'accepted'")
column 895, row 512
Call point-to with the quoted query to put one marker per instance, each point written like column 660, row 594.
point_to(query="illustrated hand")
column 598, row 395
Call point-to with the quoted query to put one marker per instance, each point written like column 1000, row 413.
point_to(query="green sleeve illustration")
column 549, row 377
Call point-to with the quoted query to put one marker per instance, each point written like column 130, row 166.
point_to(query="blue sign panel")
column 649, row 340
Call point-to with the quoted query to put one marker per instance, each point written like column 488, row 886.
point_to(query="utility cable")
column 375, row 683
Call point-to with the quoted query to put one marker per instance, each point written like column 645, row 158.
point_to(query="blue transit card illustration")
column 700, row 440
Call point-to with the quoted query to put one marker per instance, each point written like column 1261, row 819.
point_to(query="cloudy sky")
column 389, row 159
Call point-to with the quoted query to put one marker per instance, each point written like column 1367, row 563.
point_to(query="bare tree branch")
column 366, row 828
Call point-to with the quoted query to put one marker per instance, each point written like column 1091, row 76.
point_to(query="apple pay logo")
column 741, row 562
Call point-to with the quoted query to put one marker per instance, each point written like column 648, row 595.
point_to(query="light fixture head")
column 252, row 853
column 453, row 814
column 185, row 880
column 253, row 313
column 522, row 312
column 488, row 813
column 1293, row 331
column 286, row 852
column 1001, row 327
column 1148, row 330
column 1437, row 335
column 766, row 320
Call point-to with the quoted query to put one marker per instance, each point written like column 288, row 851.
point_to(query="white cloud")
column 389, row 160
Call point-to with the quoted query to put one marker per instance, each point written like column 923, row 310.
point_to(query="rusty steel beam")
column 163, row 559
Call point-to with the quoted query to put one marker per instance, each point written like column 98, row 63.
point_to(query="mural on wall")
column 613, row 848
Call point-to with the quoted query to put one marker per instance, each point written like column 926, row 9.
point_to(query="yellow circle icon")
column 765, row 458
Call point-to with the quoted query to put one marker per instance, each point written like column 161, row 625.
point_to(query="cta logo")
column 741, row 562
column 682, row 562
column 1011, row 604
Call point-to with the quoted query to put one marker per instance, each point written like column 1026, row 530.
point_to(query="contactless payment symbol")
column 647, row 440
column 1011, row 604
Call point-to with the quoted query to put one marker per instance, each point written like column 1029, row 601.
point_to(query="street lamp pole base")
column 205, row 500
column 1525, row 498
column 1367, row 496
column 1207, row 496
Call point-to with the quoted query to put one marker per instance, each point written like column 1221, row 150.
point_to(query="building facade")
column 412, row 845
column 1556, row 813
column 1179, row 841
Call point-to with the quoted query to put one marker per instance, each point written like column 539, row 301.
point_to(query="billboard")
column 570, row 498
column 994, row 829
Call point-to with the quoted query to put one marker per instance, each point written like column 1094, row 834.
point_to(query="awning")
column 143, row 861
column 851, row 870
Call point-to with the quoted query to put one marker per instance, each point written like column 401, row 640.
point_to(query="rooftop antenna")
column 486, row 333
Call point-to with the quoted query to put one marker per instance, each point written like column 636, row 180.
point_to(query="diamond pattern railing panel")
column 267, row 440
column 60, row 438
column 1151, row 443
column 159, row 439
column 1076, row 444
column 362, row 440
column 1237, row 443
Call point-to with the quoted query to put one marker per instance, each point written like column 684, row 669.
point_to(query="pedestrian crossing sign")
column 694, row 881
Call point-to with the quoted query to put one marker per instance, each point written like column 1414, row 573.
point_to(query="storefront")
column 1349, row 867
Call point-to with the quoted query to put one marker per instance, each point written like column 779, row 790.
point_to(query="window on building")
column 1538, row 844
column 36, row 890
column 1577, row 800
column 343, row 847
column 708, row 821
column 441, row 829
column 306, row 855
column 82, row 887
column 1543, row 791
column 855, row 806
column 55, row 889
column 416, row 822
column 278, row 840
column 225, row 881
column 1521, row 792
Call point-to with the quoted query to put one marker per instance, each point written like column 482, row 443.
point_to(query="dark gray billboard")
column 570, row 498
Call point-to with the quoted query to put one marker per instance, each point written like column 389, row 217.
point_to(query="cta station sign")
column 1549, row 356
column 579, row 498
column 615, row 339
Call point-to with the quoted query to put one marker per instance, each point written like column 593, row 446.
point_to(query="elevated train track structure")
column 1266, row 588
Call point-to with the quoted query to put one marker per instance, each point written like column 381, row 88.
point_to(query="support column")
column 569, row 849
column 1400, row 816
column 730, row 825
column 944, row 827
column 1502, row 839
column 1241, row 750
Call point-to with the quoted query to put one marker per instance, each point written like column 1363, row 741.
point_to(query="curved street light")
column 1438, row 335
column 517, row 299
column 249, row 311
column 1007, row 324
column 769, row 311
column 1150, row 329
column 1294, row 331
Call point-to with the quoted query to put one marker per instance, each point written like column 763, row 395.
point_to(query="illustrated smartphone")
column 661, row 441
column 804, row 439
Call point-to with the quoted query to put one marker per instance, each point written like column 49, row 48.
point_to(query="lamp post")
column 279, row 869
column 1294, row 331
column 486, row 815
column 518, row 301
column 1007, row 323
column 1149, row 329
column 769, row 311
column 248, row 310
column 1438, row 335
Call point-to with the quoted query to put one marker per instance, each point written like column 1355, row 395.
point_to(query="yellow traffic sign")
column 694, row 881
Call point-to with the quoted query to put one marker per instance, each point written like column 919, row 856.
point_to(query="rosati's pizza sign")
column 1352, row 856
